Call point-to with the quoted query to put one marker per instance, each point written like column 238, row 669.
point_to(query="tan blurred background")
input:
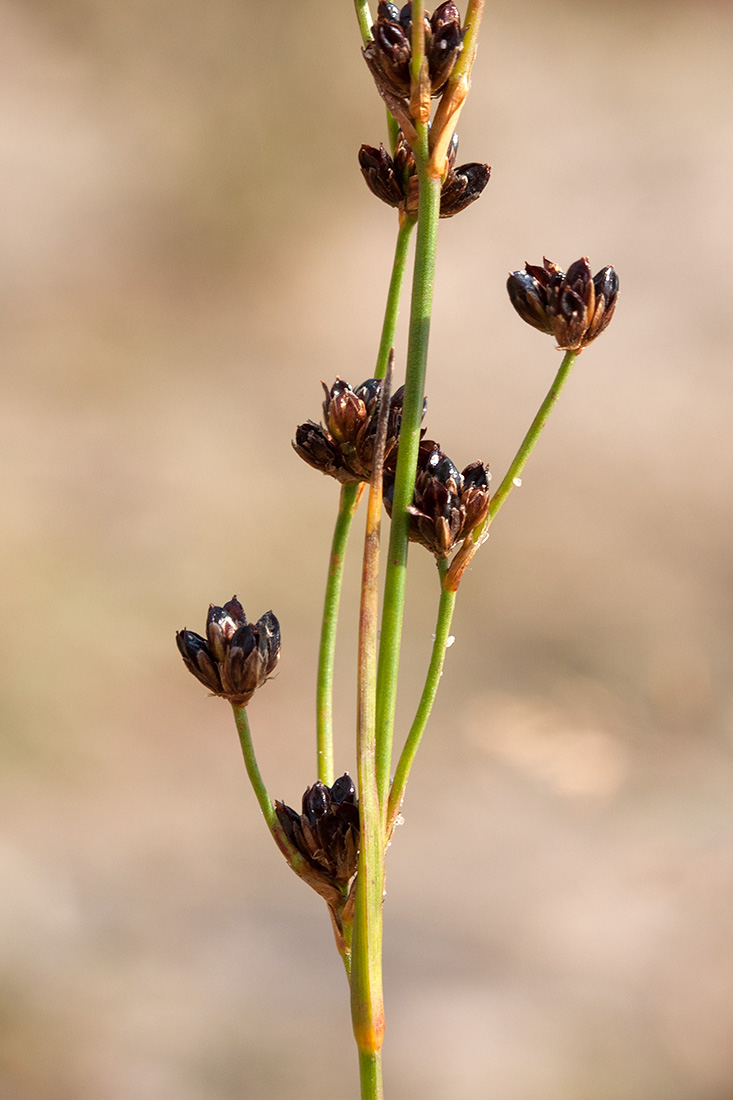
column 187, row 248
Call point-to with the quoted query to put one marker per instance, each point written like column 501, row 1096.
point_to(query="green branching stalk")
column 412, row 411
column 394, row 295
column 393, row 129
column 533, row 434
column 470, row 545
column 348, row 503
column 265, row 802
column 364, row 18
column 430, row 690
column 253, row 771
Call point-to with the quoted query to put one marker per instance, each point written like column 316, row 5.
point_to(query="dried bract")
column 326, row 834
column 574, row 306
column 236, row 657
column 447, row 505
column 343, row 447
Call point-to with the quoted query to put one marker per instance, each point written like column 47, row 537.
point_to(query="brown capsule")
column 325, row 833
column 236, row 657
column 344, row 447
column 389, row 54
column 574, row 306
column 447, row 505
column 320, row 451
column 462, row 186
column 198, row 660
column 444, row 45
column 378, row 170
column 393, row 52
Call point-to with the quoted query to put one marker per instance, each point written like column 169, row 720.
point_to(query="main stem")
column 370, row 1076
column 367, row 1003
column 412, row 411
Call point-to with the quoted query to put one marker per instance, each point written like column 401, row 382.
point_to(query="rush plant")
column 372, row 442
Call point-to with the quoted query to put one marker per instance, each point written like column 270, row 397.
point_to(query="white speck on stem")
column 516, row 481
column 450, row 641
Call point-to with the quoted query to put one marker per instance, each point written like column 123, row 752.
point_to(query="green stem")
column 418, row 41
column 412, row 412
column 528, row 443
column 365, row 20
column 370, row 1076
column 393, row 129
column 472, row 23
column 293, row 857
column 250, row 763
column 430, row 690
column 394, row 294
column 350, row 495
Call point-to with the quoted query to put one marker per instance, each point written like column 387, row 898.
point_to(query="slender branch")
column 430, row 690
column 412, row 411
column 253, row 771
column 394, row 294
column 393, row 129
column 364, row 17
column 533, row 434
column 348, row 503
column 472, row 23
column 293, row 857
column 471, row 544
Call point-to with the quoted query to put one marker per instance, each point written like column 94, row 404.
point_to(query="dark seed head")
column 574, row 306
column 447, row 505
column 236, row 657
column 326, row 834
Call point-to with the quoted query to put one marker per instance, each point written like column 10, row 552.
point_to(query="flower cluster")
column 447, row 505
column 389, row 54
column 394, row 179
column 236, row 657
column 326, row 833
column 343, row 447
column 574, row 306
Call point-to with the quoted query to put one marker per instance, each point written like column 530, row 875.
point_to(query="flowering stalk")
column 258, row 786
column 471, row 544
column 348, row 503
column 533, row 434
column 364, row 19
column 430, row 690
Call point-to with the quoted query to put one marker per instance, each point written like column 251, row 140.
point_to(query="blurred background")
column 187, row 248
